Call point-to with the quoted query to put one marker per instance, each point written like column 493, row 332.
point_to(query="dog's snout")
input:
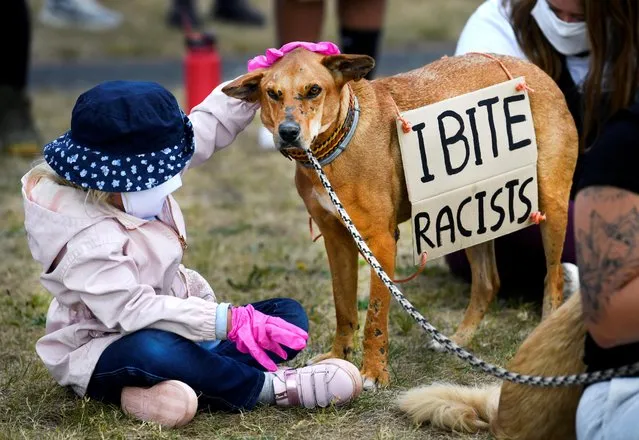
column 289, row 131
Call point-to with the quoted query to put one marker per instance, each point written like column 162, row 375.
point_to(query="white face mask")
column 148, row 204
column 567, row 38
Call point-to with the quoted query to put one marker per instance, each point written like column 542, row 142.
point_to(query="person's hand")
column 254, row 332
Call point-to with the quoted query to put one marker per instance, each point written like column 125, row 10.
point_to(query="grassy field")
column 144, row 33
column 249, row 237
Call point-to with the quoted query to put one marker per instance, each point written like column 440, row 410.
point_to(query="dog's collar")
column 327, row 151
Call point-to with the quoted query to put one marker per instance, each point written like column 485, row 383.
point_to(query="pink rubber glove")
column 253, row 332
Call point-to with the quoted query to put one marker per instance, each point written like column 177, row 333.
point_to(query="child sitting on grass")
column 128, row 323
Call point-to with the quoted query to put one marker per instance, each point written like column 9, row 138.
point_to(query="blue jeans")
column 223, row 378
column 609, row 411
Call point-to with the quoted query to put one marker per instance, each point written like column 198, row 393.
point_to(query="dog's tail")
column 453, row 407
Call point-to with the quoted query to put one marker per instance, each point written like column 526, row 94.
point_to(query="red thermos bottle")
column 202, row 68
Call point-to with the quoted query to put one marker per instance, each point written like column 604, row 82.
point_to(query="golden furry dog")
column 510, row 411
column 307, row 101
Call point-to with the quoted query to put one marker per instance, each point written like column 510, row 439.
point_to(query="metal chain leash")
column 443, row 340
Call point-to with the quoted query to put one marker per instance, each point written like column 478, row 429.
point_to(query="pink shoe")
column 170, row 403
column 333, row 381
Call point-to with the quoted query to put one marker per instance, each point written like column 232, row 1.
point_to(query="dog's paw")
column 370, row 384
column 435, row 346
column 375, row 379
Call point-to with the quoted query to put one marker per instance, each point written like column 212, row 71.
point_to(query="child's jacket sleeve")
column 107, row 282
column 217, row 121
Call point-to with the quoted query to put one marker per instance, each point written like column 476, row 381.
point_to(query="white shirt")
column 489, row 30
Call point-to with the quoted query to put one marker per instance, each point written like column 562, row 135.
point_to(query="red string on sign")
column 422, row 265
column 406, row 127
column 537, row 217
column 521, row 86
column 310, row 228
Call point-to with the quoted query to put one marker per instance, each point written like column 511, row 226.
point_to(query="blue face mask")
column 566, row 38
column 148, row 204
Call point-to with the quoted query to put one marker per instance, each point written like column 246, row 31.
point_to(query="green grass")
column 249, row 237
column 144, row 33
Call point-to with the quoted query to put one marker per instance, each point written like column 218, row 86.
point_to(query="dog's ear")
column 346, row 67
column 246, row 87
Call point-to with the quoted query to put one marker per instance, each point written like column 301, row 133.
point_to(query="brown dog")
column 509, row 411
column 307, row 102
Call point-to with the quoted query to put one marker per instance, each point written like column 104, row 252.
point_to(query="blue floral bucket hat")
column 125, row 136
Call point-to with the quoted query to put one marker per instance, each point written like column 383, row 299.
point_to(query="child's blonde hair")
column 42, row 170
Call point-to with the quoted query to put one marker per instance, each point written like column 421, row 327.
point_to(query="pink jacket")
column 110, row 273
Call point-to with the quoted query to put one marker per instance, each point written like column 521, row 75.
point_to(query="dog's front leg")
column 375, row 362
column 342, row 259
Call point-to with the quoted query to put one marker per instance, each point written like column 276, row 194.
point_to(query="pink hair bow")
column 272, row 55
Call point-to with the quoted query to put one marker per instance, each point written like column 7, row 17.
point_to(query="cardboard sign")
column 470, row 164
